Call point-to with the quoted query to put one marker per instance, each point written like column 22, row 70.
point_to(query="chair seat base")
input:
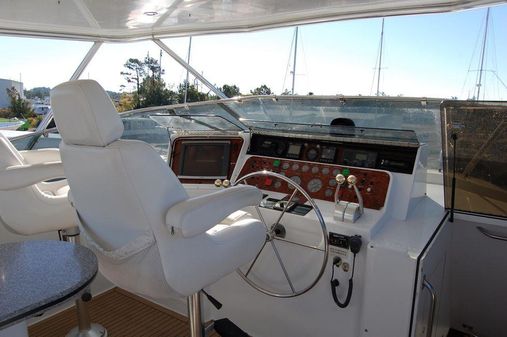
column 96, row 330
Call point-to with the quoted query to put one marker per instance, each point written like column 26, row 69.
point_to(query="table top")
column 35, row 275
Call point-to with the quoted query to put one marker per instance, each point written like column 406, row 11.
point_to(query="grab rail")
column 433, row 305
column 491, row 235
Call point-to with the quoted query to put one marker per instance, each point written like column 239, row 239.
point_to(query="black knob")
column 86, row 297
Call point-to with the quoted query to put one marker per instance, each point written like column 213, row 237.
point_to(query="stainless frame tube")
column 194, row 315
column 188, row 67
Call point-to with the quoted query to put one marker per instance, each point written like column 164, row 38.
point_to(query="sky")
column 434, row 55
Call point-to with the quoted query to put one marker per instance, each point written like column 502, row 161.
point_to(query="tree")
column 39, row 92
column 262, row 90
column 154, row 92
column 126, row 102
column 135, row 73
column 115, row 96
column 193, row 94
column 20, row 107
column 152, row 67
column 230, row 90
column 147, row 77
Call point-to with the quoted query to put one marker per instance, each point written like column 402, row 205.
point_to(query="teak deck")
column 123, row 314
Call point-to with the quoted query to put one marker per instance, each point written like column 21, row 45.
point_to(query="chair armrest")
column 19, row 176
column 40, row 156
column 197, row 215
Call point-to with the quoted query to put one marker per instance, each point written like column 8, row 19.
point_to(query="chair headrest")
column 85, row 114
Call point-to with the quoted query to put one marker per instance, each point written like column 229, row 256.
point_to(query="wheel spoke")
column 255, row 259
column 285, row 208
column 299, row 244
column 283, row 266
column 261, row 217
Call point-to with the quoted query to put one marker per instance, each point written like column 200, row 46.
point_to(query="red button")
column 268, row 182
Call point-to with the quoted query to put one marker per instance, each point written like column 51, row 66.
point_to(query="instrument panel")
column 383, row 157
column 319, row 179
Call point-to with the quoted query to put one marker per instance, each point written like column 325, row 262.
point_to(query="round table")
column 36, row 275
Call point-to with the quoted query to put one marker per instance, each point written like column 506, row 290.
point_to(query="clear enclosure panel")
column 142, row 127
column 478, row 155
column 194, row 122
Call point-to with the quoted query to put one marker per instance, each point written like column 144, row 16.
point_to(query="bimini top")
column 117, row 20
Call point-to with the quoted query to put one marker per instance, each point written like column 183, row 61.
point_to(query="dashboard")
column 310, row 162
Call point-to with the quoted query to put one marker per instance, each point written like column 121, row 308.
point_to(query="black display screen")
column 328, row 153
column 359, row 158
column 204, row 159
column 294, row 150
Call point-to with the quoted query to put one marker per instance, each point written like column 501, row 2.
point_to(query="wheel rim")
column 271, row 238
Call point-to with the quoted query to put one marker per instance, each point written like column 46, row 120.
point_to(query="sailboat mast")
column 295, row 58
column 483, row 52
column 380, row 57
column 188, row 62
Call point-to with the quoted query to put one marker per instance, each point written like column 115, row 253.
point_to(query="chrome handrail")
column 433, row 305
column 33, row 134
column 491, row 235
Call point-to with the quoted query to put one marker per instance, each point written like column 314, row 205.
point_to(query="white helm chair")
column 28, row 205
column 149, row 236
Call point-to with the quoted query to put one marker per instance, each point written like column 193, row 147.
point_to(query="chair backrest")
column 28, row 210
column 121, row 188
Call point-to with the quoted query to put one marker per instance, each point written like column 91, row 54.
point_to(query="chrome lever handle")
column 340, row 180
column 352, row 180
column 491, row 235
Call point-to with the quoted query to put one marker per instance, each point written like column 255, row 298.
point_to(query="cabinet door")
column 479, row 276
column 432, row 303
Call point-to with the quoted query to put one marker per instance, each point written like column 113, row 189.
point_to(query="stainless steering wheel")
column 272, row 232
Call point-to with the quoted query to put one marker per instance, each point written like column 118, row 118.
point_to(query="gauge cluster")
column 379, row 156
column 319, row 179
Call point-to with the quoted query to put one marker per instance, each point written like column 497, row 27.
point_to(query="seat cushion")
column 191, row 264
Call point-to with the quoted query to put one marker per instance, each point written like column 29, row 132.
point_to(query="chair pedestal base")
column 84, row 328
column 194, row 315
column 96, row 330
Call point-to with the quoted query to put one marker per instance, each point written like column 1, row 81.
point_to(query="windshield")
column 406, row 121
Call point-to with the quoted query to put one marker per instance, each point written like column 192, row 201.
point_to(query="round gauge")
column 314, row 185
column 295, row 179
column 315, row 170
column 328, row 193
column 332, row 182
column 285, row 165
column 305, row 168
column 336, row 172
column 277, row 184
column 295, row 167
column 325, row 170
column 312, row 154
